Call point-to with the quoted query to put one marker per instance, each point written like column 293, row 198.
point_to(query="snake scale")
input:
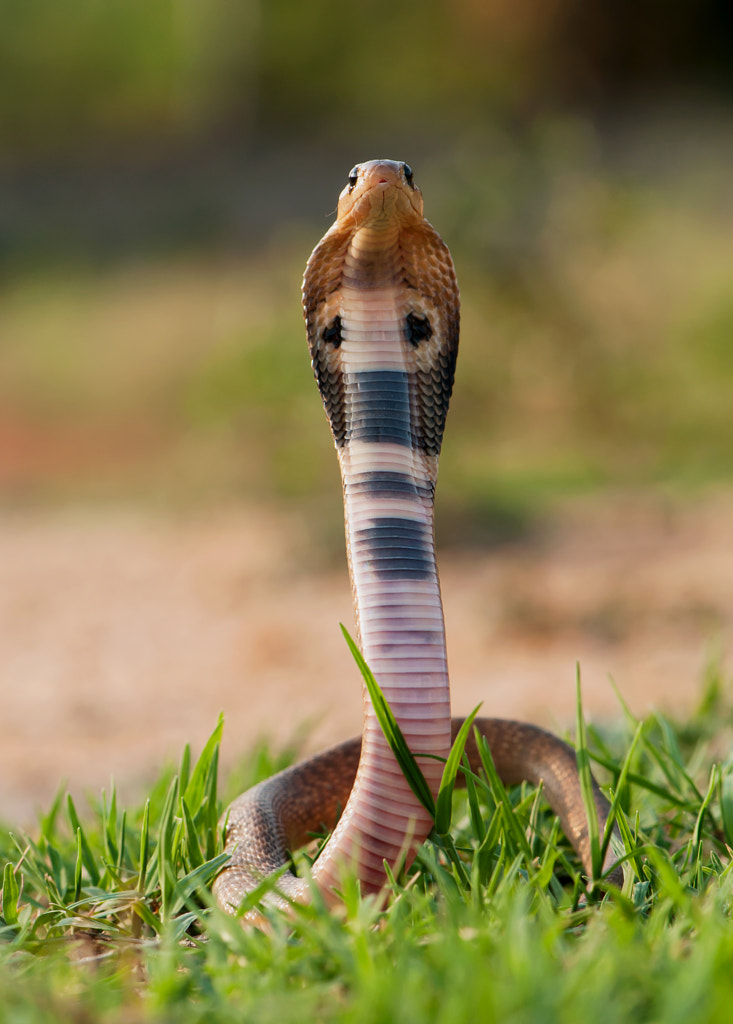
column 382, row 315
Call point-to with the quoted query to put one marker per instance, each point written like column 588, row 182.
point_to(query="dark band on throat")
column 378, row 404
column 395, row 548
column 383, row 483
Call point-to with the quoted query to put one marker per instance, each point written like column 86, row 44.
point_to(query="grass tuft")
column 107, row 913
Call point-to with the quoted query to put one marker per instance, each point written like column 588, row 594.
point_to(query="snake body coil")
column 382, row 316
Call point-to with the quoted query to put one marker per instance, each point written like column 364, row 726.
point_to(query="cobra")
column 381, row 308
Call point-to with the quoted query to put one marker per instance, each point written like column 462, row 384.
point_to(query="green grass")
column 106, row 914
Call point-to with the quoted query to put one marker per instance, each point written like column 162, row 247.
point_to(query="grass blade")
column 193, row 849
column 11, row 892
column 199, row 878
column 121, row 842
column 87, row 856
column 726, row 802
column 48, row 821
column 474, row 808
column 586, row 783
column 184, row 772
column 78, row 866
column 619, row 791
column 195, row 792
column 144, row 847
column 110, row 831
column 444, row 803
column 166, row 850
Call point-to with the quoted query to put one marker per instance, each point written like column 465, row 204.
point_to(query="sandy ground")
column 123, row 636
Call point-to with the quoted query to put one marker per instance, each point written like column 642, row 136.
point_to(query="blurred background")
column 170, row 518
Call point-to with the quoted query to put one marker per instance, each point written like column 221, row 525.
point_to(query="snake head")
column 379, row 189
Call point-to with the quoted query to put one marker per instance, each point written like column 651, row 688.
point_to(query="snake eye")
column 409, row 177
column 353, row 176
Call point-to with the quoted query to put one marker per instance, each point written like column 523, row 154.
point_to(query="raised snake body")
column 382, row 316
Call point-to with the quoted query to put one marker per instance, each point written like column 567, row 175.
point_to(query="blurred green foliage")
column 90, row 72
column 100, row 72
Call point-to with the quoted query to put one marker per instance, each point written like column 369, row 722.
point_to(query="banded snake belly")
column 382, row 317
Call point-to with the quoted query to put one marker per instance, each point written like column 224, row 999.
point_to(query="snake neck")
column 388, row 477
